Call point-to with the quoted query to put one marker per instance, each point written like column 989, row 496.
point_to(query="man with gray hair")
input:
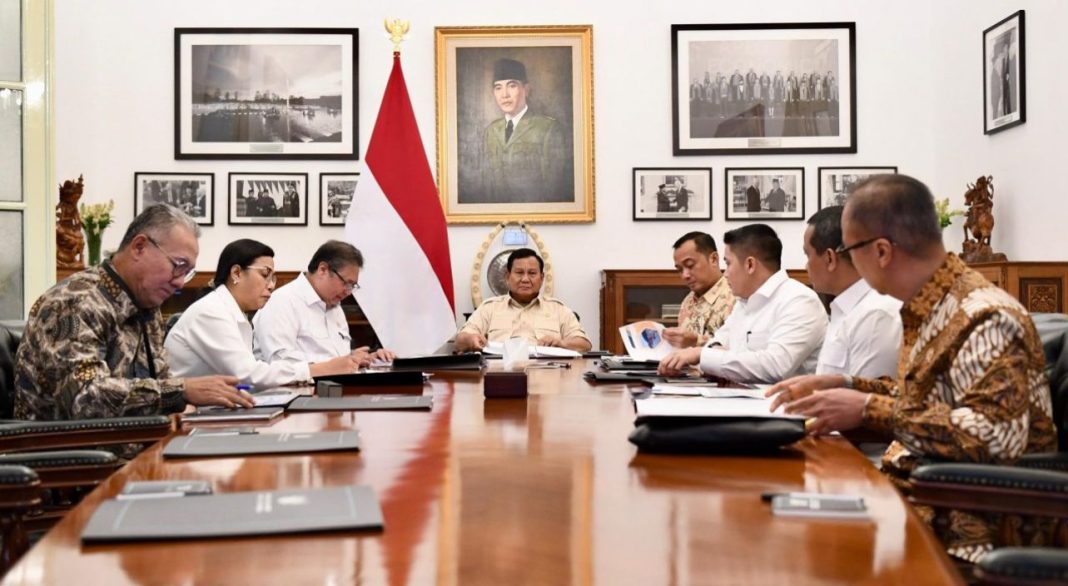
column 93, row 344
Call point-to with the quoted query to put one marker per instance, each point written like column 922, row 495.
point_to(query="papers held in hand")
column 236, row 514
column 644, row 340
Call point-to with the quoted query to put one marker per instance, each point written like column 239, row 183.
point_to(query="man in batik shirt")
column 970, row 384
column 710, row 299
column 93, row 344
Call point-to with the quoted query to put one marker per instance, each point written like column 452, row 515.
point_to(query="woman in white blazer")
column 214, row 336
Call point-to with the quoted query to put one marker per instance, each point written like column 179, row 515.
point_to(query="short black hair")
column 827, row 230
column 524, row 253
column 337, row 255
column 241, row 253
column 897, row 207
column 756, row 240
column 703, row 241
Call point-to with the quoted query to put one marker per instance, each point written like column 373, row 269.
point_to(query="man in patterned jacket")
column 93, row 344
column 970, row 384
column 710, row 300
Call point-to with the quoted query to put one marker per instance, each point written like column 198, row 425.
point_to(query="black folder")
column 471, row 361
column 232, row 443
column 629, row 364
column 362, row 403
column 376, row 379
column 237, row 514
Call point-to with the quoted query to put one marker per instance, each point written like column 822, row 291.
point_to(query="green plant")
column 945, row 215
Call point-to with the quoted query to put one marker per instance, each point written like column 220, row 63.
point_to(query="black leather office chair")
column 1036, row 486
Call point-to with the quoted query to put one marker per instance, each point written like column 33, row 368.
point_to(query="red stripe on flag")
column 396, row 157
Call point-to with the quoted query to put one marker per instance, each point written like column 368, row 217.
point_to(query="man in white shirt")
column 777, row 325
column 864, row 336
column 303, row 321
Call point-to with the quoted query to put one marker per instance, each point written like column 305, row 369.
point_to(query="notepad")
column 236, row 514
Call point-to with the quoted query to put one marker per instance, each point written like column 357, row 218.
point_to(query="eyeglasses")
column 181, row 268
column 268, row 273
column 349, row 285
column 842, row 248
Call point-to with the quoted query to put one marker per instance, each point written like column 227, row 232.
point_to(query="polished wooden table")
column 542, row 491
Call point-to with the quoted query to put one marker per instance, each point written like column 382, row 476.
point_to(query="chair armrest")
column 1048, row 461
column 44, row 435
column 993, row 488
column 62, row 469
column 1023, row 565
column 20, row 488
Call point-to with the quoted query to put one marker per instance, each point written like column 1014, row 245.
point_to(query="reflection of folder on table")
column 226, row 443
column 363, row 403
column 236, row 514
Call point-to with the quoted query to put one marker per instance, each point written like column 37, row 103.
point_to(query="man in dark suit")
column 776, row 197
column 752, row 199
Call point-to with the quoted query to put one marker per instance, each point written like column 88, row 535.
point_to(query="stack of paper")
column 497, row 349
column 705, row 407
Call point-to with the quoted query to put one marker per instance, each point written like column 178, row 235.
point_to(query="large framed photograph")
column 837, row 183
column 335, row 196
column 265, row 93
column 764, row 88
column 757, row 195
column 268, row 199
column 193, row 193
column 515, row 123
column 1004, row 81
column 662, row 193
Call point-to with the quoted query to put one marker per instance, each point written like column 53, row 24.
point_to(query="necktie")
column 508, row 131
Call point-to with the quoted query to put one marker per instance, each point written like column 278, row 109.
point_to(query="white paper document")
column 708, row 390
column 644, row 340
column 704, row 407
column 497, row 348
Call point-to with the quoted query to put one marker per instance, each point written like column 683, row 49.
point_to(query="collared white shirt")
column 213, row 336
column 295, row 325
column 515, row 120
column 864, row 336
column 774, row 334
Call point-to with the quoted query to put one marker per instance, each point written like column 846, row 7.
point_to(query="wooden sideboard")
column 359, row 328
column 632, row 295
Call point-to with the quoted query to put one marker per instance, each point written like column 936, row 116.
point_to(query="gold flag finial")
column 397, row 30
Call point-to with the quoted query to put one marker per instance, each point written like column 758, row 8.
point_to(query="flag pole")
column 398, row 32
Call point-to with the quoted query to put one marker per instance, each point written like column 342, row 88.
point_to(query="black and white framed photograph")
column 671, row 193
column 335, row 197
column 266, row 93
column 764, row 88
column 268, row 199
column 760, row 194
column 837, row 183
column 193, row 193
column 1004, row 79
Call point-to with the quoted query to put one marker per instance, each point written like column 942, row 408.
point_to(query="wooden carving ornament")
column 70, row 242
column 980, row 222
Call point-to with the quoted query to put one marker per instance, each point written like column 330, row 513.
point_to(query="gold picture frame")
column 541, row 168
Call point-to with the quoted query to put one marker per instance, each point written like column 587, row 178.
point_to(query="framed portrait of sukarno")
column 265, row 93
column 1004, row 87
column 764, row 88
column 515, row 123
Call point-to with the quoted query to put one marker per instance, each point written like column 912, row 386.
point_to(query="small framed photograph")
column 665, row 193
column 1004, row 80
column 268, row 199
column 750, row 89
column 193, row 193
column 335, row 197
column 760, row 194
column 266, row 93
column 836, row 183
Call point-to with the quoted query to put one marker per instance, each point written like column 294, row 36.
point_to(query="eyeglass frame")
column 353, row 286
column 271, row 277
column 186, row 276
column 842, row 248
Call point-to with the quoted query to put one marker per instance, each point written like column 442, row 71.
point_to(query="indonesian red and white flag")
column 396, row 220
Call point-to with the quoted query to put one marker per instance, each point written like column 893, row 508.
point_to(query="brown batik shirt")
column 88, row 351
column 705, row 314
column 970, row 387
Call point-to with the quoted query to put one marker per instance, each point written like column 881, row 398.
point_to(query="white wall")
column 919, row 107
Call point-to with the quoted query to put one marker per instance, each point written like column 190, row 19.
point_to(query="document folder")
column 241, row 444
column 236, row 514
column 440, row 362
column 377, row 379
column 362, row 403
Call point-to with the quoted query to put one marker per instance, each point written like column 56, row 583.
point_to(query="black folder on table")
column 230, row 443
column 376, row 379
column 629, row 364
column 472, row 361
column 217, row 414
column 363, row 403
column 235, row 514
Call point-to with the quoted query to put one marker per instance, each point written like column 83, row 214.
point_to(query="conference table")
column 545, row 490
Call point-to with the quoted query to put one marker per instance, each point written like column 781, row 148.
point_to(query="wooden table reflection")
column 542, row 491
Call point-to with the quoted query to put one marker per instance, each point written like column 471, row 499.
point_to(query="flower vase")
column 92, row 242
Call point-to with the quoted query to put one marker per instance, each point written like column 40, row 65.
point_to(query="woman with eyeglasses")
column 214, row 336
